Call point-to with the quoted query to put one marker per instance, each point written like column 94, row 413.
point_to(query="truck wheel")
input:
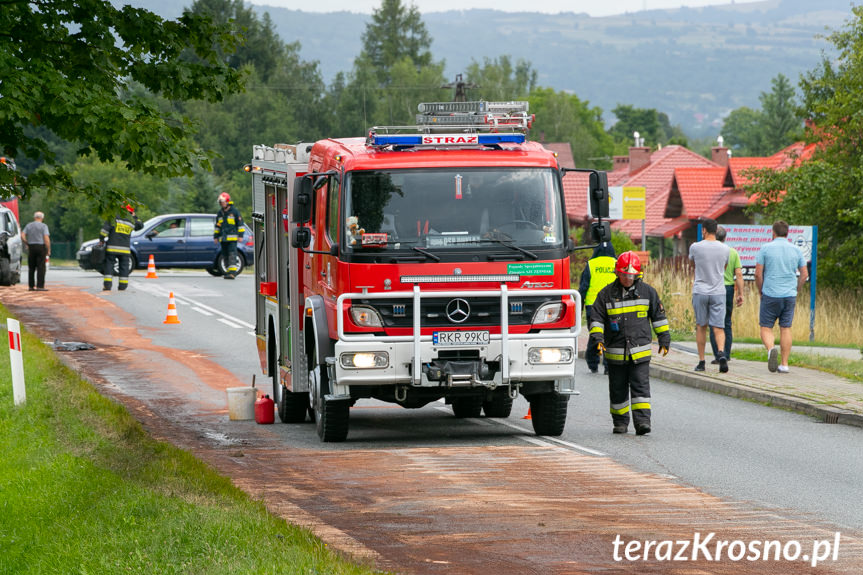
column 466, row 406
column 292, row 406
column 331, row 417
column 499, row 406
column 548, row 413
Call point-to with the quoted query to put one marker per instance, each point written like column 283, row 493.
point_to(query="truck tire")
column 292, row 406
column 548, row 413
column 463, row 407
column 331, row 417
column 499, row 406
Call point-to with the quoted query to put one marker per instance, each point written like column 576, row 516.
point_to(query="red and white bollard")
column 16, row 361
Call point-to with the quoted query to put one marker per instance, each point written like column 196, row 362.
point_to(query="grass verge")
column 84, row 489
column 848, row 368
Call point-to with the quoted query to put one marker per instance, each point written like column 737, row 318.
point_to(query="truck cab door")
column 325, row 266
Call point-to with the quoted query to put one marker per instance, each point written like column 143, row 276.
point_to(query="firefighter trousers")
column 124, row 267
column 229, row 253
column 629, row 390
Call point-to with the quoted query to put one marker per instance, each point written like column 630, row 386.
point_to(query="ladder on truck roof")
column 461, row 124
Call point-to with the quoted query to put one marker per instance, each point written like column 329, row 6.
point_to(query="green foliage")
column 119, row 502
column 64, row 67
column 652, row 126
column 764, row 132
column 826, row 190
column 396, row 32
column 500, row 79
column 562, row 117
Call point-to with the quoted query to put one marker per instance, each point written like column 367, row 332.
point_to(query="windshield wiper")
column 426, row 253
column 528, row 253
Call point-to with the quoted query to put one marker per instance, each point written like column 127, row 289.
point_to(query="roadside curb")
column 825, row 413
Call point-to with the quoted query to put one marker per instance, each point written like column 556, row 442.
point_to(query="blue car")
column 178, row 241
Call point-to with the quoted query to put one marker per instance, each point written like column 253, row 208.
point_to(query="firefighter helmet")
column 130, row 209
column 628, row 263
column 225, row 197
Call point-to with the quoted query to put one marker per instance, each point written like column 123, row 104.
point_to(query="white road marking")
column 201, row 311
column 228, row 323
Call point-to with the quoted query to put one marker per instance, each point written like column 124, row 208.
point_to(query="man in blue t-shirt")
column 780, row 271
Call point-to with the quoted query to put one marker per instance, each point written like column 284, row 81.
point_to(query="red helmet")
column 130, row 209
column 628, row 263
column 225, row 197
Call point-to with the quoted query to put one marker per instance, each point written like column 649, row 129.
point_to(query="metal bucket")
column 241, row 403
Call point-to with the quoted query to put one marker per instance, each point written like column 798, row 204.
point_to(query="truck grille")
column 484, row 311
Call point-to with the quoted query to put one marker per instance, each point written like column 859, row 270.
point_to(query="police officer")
column 229, row 230
column 625, row 315
column 598, row 273
column 116, row 233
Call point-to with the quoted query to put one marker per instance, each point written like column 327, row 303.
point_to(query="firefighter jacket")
column 116, row 233
column 624, row 320
column 229, row 225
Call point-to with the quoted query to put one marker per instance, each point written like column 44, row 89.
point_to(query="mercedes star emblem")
column 458, row 310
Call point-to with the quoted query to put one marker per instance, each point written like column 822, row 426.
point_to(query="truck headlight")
column 546, row 355
column 548, row 313
column 365, row 316
column 365, row 360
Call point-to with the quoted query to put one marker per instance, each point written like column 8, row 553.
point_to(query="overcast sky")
column 592, row 7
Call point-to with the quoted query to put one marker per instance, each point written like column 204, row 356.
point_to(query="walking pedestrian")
column 780, row 270
column 37, row 242
column 117, row 234
column 708, row 292
column 733, row 295
column 229, row 230
column 598, row 273
column 624, row 317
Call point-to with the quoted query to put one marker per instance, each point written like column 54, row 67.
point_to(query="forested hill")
column 695, row 64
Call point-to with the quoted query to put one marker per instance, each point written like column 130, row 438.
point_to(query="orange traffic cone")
column 528, row 414
column 172, row 311
column 151, row 268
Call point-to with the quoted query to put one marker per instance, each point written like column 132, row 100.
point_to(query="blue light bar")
column 438, row 140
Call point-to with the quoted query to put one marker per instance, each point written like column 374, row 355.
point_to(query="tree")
column 764, row 132
column 392, row 74
column 562, row 117
column 499, row 79
column 65, row 68
column 825, row 191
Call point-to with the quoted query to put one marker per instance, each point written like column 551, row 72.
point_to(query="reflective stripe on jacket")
column 637, row 314
column 229, row 225
column 117, row 234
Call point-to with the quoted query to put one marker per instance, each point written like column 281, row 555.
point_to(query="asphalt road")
column 730, row 448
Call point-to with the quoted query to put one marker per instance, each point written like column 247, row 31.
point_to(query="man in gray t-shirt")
column 37, row 242
column 708, row 291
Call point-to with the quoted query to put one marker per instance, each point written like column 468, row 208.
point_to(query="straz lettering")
column 458, row 139
column 529, row 284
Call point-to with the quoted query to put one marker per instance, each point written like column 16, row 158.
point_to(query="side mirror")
column 301, row 200
column 599, row 194
column 600, row 231
column 151, row 234
column 302, row 238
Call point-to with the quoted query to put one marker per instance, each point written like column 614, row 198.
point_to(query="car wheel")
column 223, row 265
column 214, row 271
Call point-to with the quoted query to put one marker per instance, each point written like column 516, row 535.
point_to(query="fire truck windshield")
column 452, row 209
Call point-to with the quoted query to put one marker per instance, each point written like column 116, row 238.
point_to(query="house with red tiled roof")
column 681, row 187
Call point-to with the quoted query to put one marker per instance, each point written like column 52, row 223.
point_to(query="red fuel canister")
column 265, row 410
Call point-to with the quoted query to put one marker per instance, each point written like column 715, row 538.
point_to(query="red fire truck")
column 417, row 264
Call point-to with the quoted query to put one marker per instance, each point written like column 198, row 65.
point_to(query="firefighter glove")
column 663, row 350
column 600, row 348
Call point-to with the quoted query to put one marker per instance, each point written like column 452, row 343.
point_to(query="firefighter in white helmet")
column 624, row 317
column 229, row 230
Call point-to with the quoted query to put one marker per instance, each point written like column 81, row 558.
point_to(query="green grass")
column 848, row 368
column 84, row 490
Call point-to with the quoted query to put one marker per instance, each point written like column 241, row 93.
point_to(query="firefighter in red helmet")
column 625, row 315
column 229, row 230
column 116, row 237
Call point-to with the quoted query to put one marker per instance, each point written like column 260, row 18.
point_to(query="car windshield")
column 452, row 208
